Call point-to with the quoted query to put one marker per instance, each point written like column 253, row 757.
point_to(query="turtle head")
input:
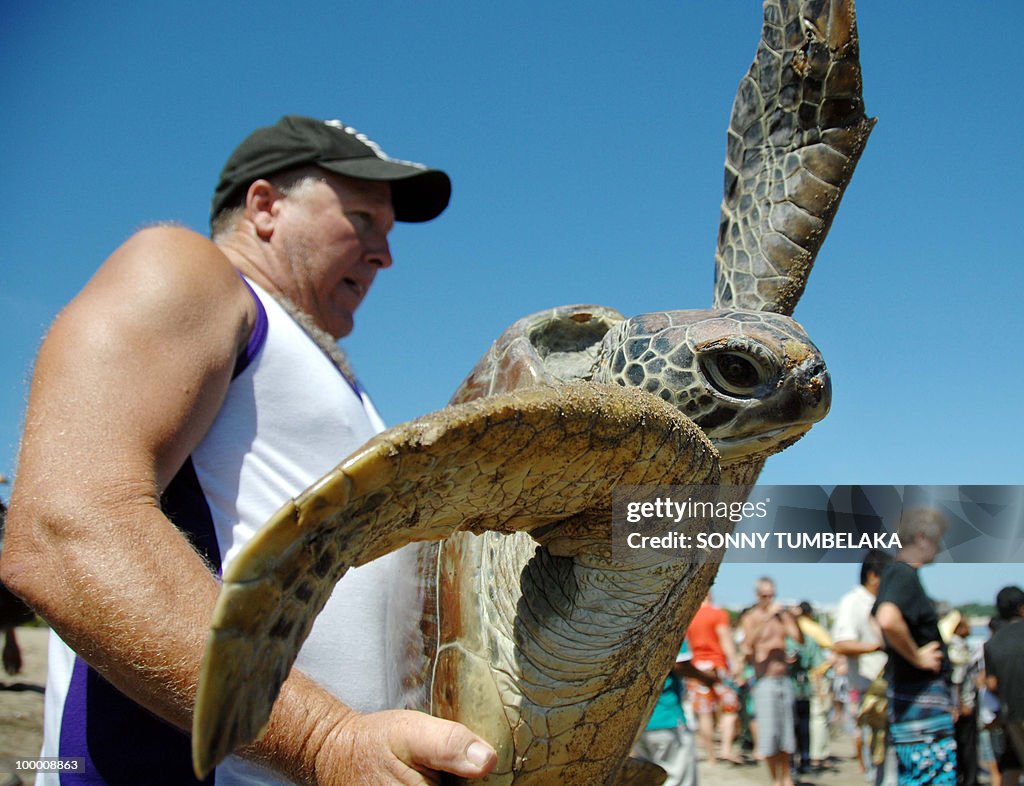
column 752, row 380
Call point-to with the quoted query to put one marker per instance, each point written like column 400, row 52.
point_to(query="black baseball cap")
column 417, row 193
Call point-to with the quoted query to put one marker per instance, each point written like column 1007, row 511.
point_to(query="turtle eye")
column 733, row 373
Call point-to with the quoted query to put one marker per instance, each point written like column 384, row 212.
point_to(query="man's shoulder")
column 1009, row 635
column 162, row 243
column 165, row 285
column 850, row 597
column 168, row 262
column 753, row 616
column 898, row 568
column 854, row 606
column 1005, row 642
column 856, row 600
column 897, row 578
column 705, row 613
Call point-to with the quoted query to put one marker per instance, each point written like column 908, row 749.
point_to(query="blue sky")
column 585, row 142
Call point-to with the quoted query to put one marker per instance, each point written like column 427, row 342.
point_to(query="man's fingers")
column 435, row 744
column 930, row 656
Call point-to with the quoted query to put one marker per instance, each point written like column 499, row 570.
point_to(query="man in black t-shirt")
column 1004, row 667
column 901, row 587
column 918, row 670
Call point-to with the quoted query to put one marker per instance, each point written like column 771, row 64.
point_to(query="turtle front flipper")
column 506, row 463
column 796, row 133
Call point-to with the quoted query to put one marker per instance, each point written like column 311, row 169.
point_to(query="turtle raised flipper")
column 796, row 133
column 505, row 463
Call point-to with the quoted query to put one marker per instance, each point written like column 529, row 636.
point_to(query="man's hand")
column 402, row 747
column 929, row 657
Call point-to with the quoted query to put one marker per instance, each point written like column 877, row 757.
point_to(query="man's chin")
column 340, row 325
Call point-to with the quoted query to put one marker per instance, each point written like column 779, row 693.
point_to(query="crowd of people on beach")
column 923, row 700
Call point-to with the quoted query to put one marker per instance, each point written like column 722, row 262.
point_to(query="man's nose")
column 380, row 255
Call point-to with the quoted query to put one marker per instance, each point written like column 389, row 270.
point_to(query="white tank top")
column 289, row 417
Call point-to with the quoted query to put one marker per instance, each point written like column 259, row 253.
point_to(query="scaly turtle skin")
column 534, row 634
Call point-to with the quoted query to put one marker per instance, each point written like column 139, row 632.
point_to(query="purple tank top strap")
column 258, row 336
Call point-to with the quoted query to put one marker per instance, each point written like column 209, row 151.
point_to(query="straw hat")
column 948, row 625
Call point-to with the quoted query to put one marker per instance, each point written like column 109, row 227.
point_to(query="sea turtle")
column 534, row 632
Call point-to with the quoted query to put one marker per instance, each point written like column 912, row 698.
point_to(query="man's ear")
column 260, row 201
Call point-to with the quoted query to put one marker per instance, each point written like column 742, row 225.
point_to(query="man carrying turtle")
column 187, row 392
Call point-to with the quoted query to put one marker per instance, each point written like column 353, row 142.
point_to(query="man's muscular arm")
column 128, row 380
